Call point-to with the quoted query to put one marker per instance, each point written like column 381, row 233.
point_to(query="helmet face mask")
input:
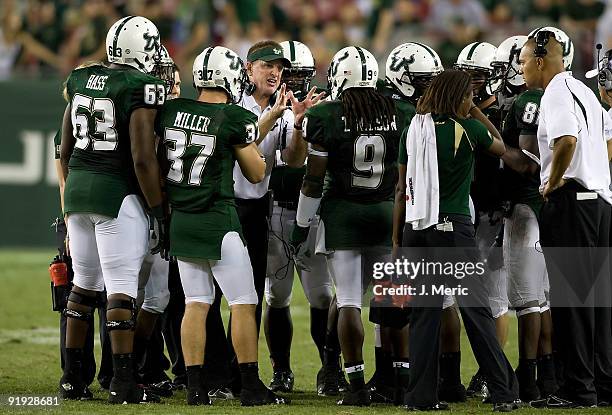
column 476, row 58
column 506, row 69
column 164, row 69
column 410, row 69
column 219, row 67
column 298, row 81
column 133, row 41
column 299, row 76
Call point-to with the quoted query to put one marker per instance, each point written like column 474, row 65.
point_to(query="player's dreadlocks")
column 366, row 108
column 446, row 93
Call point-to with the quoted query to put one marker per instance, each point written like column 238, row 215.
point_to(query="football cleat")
column 360, row 397
column 478, row 387
column 440, row 406
column 260, row 395
column 282, row 381
column 223, row 393
column 198, row 396
column 74, row 390
column 124, row 392
column 163, row 388
column 330, row 382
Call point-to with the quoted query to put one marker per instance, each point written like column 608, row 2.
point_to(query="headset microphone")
column 604, row 77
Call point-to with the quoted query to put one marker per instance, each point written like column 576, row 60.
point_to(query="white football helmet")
column 411, row 67
column 298, row 77
column 477, row 56
column 506, row 60
column 133, row 41
column 164, row 68
column 566, row 43
column 351, row 67
column 220, row 67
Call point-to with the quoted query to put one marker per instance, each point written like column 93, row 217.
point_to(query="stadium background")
column 42, row 40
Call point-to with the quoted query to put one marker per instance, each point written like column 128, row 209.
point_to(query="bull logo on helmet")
column 397, row 63
column 334, row 65
column 235, row 61
column 152, row 42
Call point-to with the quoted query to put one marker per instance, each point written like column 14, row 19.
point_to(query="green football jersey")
column 405, row 113
column 362, row 165
column 522, row 119
column 101, row 169
column 199, row 139
column 457, row 141
column 486, row 188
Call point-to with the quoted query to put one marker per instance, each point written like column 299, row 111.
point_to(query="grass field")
column 29, row 355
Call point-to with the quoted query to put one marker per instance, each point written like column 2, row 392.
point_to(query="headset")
column 604, row 77
column 541, row 40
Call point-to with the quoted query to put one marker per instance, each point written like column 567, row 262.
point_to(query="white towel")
column 422, row 182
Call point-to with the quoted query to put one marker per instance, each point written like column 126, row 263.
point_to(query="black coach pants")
column 575, row 236
column 427, row 310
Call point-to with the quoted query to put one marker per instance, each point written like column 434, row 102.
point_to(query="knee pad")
column 122, row 324
column 523, row 311
column 84, row 300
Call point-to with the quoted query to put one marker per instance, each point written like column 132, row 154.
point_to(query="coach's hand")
column 280, row 105
column 159, row 232
column 549, row 188
column 299, row 107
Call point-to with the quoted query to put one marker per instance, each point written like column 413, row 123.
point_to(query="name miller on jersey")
column 192, row 122
column 97, row 82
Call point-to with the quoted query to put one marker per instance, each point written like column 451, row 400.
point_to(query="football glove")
column 296, row 241
column 158, row 229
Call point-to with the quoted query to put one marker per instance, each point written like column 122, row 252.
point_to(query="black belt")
column 260, row 205
column 287, row 204
column 455, row 217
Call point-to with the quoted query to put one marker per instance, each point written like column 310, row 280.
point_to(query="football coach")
column 573, row 138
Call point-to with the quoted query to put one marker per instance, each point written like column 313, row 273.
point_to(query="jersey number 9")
column 368, row 161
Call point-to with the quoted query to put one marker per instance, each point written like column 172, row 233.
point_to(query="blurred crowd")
column 49, row 37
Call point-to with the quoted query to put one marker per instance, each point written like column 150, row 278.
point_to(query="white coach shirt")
column 569, row 107
column 279, row 137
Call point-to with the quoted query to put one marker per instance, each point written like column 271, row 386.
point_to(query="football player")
column 476, row 59
column 166, row 70
column 409, row 70
column 108, row 159
column 527, row 276
column 203, row 139
column 88, row 361
column 354, row 138
column 285, row 182
column 153, row 292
